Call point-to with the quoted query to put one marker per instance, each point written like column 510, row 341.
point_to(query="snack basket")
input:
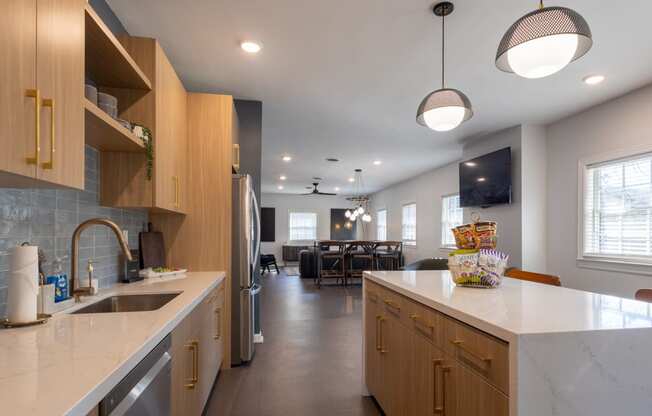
column 477, row 268
column 476, row 263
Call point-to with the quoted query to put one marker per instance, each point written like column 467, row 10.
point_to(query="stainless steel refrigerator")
column 244, row 288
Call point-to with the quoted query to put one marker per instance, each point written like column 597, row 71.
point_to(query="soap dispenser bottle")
column 59, row 279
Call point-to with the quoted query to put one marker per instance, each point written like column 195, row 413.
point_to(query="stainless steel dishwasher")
column 146, row 389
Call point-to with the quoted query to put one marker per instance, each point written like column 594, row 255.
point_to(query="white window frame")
column 409, row 243
column 445, row 227
column 631, row 265
column 302, row 211
column 384, row 210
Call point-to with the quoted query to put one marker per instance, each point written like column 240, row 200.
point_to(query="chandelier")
column 359, row 199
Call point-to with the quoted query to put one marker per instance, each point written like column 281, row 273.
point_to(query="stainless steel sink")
column 129, row 303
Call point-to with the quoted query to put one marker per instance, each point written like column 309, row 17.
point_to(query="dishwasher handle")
column 143, row 386
column 146, row 389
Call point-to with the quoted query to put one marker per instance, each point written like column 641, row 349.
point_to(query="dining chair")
column 361, row 257
column 545, row 279
column 388, row 255
column 644, row 294
column 335, row 266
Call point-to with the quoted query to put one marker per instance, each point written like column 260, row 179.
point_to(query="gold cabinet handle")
column 378, row 346
column 218, row 317
column 193, row 347
column 439, row 387
column 176, row 191
column 236, row 156
column 392, row 304
column 380, row 324
column 49, row 102
column 461, row 346
column 435, row 364
column 36, row 94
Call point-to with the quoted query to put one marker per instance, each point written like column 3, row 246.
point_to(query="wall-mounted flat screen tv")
column 487, row 180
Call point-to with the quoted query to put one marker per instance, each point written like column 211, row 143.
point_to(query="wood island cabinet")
column 42, row 76
column 197, row 354
column 420, row 362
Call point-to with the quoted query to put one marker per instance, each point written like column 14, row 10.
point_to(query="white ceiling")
column 344, row 78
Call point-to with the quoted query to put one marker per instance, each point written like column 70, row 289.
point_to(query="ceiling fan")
column 315, row 191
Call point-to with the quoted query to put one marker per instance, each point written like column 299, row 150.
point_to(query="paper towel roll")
column 22, row 293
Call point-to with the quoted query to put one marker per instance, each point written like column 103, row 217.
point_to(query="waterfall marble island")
column 523, row 349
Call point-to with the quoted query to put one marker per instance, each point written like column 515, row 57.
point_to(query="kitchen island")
column 67, row 365
column 524, row 349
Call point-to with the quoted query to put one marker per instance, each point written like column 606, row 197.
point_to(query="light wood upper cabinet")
column 164, row 111
column 42, row 45
column 60, row 75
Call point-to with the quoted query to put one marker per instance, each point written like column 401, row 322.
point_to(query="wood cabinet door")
column 170, row 141
column 474, row 396
column 60, row 77
column 18, row 106
column 428, row 361
column 185, row 352
column 372, row 357
column 395, row 358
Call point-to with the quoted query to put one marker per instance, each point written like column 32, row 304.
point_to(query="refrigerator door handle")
column 258, row 237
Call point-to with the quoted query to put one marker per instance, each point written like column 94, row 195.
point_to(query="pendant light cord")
column 443, row 46
column 540, row 4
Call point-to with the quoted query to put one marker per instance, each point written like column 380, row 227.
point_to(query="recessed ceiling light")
column 282, row 177
column 482, row 179
column 337, row 188
column 287, row 158
column 470, row 164
column 250, row 46
column 378, row 162
column 593, row 79
column 332, row 159
column 280, row 187
column 351, row 179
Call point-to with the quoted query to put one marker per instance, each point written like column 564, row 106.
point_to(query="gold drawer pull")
column 392, row 304
column 49, row 102
column 218, row 332
column 36, row 94
column 460, row 345
column 418, row 320
column 193, row 347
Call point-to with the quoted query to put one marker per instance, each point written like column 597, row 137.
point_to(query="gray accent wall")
column 48, row 217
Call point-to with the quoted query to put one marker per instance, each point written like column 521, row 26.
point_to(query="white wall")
column 534, row 230
column 507, row 217
column 426, row 190
column 619, row 124
column 285, row 202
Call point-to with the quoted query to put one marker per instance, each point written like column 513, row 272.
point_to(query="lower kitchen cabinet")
column 197, row 354
column 410, row 372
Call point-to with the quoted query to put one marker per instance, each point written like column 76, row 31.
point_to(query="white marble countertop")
column 518, row 307
column 69, row 364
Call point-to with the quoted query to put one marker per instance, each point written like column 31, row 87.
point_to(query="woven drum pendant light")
column 445, row 108
column 543, row 42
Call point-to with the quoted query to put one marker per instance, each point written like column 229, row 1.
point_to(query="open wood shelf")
column 107, row 62
column 106, row 134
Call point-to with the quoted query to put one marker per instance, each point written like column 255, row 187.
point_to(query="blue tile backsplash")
column 48, row 217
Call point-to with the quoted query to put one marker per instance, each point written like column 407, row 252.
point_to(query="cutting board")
column 152, row 249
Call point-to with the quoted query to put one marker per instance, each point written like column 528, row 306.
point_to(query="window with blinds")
column 381, row 225
column 409, row 225
column 451, row 217
column 303, row 226
column 618, row 209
